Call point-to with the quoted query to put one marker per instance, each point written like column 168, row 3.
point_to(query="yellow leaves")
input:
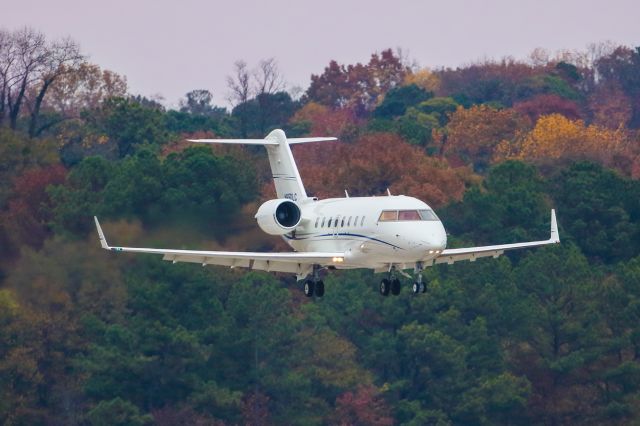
column 555, row 136
column 309, row 112
column 8, row 302
column 424, row 79
column 333, row 360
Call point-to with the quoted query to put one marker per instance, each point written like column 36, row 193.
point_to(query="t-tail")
column 283, row 167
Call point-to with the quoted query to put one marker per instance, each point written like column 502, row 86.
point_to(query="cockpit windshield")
column 406, row 215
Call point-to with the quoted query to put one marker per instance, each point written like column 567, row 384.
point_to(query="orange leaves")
column 325, row 121
column 611, row 107
column 424, row 79
column 374, row 163
column 26, row 221
column 357, row 87
column 547, row 104
column 474, row 133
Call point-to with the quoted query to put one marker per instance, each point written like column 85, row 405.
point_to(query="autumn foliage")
column 544, row 336
column 358, row 87
column 324, row 121
column 27, row 218
column 473, row 133
column 374, row 163
column 557, row 137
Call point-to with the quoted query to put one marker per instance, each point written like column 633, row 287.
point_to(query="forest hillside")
column 546, row 336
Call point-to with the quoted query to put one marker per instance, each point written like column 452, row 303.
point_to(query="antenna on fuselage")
column 388, row 192
column 346, row 194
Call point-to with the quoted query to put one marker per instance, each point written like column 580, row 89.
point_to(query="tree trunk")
column 36, row 108
column 2, row 106
column 14, row 109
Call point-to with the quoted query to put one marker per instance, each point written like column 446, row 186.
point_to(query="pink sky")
column 170, row 48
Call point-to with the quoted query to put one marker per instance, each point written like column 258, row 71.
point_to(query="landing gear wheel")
column 385, row 287
column 395, row 286
column 308, row 288
column 416, row 287
column 320, row 289
column 423, row 288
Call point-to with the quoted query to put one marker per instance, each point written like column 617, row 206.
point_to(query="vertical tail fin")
column 283, row 168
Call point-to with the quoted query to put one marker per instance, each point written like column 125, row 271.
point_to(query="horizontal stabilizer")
column 290, row 141
column 236, row 141
column 286, row 177
column 305, row 140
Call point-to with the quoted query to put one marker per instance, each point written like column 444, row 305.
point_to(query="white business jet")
column 389, row 234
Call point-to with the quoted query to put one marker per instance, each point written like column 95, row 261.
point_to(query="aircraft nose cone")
column 435, row 238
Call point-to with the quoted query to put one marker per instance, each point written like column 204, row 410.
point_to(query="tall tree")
column 359, row 87
column 62, row 57
column 29, row 53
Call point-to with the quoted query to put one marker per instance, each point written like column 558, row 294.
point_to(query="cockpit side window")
column 428, row 215
column 388, row 216
column 408, row 215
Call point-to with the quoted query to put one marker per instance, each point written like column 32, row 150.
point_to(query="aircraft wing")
column 295, row 262
column 472, row 253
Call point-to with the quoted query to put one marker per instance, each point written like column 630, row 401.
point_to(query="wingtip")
column 555, row 235
column 103, row 240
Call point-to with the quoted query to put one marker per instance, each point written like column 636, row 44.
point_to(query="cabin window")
column 342, row 223
column 317, row 220
column 335, row 223
column 355, row 222
column 362, row 221
column 323, row 218
column 388, row 216
column 329, row 222
column 349, row 221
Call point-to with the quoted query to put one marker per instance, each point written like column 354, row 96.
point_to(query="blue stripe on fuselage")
column 347, row 234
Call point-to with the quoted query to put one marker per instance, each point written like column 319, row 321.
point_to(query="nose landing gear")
column 418, row 285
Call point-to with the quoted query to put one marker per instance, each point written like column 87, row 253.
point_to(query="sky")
column 168, row 48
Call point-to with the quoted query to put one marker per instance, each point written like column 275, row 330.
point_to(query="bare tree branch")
column 239, row 84
column 31, row 52
column 62, row 57
column 268, row 79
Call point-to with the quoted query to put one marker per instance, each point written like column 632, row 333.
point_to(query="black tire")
column 395, row 286
column 309, row 287
column 423, row 287
column 416, row 288
column 320, row 289
column 385, row 287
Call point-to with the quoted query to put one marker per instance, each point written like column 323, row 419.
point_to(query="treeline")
column 548, row 336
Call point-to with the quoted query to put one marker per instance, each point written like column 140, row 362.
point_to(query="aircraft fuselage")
column 408, row 231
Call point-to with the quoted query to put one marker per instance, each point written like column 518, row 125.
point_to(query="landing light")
column 338, row 259
column 430, row 251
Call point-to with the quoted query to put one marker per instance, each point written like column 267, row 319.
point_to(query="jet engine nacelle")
column 278, row 217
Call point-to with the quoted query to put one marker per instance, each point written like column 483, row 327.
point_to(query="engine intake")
column 278, row 217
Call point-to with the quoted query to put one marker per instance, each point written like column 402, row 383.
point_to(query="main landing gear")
column 314, row 285
column 391, row 284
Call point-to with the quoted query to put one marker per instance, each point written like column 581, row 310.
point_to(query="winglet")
column 555, row 236
column 103, row 240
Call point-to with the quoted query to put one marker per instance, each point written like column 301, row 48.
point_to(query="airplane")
column 388, row 234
